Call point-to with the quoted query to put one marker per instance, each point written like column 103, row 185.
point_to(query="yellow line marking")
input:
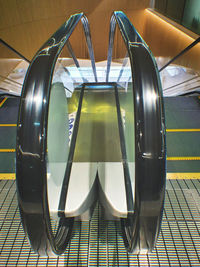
column 183, row 158
column 7, row 176
column 170, row 175
column 3, row 101
column 7, row 150
column 168, row 158
column 8, row 125
column 182, row 130
column 183, row 175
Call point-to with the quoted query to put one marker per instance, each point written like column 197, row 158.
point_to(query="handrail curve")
column 142, row 226
column 31, row 148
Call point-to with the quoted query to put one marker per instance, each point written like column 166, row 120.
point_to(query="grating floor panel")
column 99, row 243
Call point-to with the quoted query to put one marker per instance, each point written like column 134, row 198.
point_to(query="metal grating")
column 99, row 243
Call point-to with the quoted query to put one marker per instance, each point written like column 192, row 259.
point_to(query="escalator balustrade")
column 80, row 141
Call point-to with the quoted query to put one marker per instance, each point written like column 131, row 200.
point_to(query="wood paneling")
column 167, row 41
column 27, row 24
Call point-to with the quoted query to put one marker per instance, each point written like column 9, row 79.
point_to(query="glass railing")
column 46, row 134
column 119, row 72
column 73, row 69
column 139, row 99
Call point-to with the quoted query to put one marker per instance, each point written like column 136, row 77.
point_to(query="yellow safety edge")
column 3, row 101
column 7, row 150
column 8, row 125
column 183, row 158
column 182, row 130
column 170, row 175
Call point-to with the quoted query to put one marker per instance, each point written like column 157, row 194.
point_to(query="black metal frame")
column 31, row 148
column 142, row 226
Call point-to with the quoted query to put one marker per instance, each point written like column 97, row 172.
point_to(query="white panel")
column 54, row 187
column 82, row 178
column 111, row 177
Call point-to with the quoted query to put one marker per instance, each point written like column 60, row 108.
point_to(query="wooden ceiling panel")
column 27, row 24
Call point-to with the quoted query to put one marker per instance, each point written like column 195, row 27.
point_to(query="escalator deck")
column 99, row 242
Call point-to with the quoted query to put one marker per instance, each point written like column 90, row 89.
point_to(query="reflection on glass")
column 185, row 12
column 57, row 145
column 12, row 71
column 174, row 9
column 191, row 17
column 120, row 72
column 161, row 5
column 74, row 65
column 61, row 119
column 98, row 135
column 72, row 69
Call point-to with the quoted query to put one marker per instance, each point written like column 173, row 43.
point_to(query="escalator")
column 83, row 140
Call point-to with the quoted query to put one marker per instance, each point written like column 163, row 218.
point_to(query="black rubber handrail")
column 31, row 148
column 132, row 36
column 142, row 226
column 72, row 54
column 181, row 53
column 85, row 23
column 14, row 50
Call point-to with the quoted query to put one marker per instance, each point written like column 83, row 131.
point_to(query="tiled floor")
column 99, row 243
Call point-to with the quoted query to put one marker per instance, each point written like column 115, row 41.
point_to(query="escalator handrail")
column 86, row 27
column 130, row 35
column 142, row 226
column 31, row 147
